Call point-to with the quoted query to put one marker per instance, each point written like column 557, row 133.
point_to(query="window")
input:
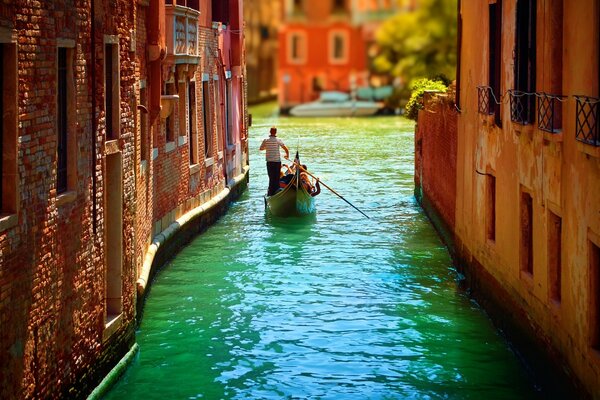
column 523, row 108
column 297, row 48
column 218, row 111
column 554, row 255
column 594, row 261
column 339, row 6
column 183, row 92
column 490, row 218
column 495, row 58
column 111, row 90
column 143, row 125
column 193, row 137
column 228, row 111
column 170, row 121
column 526, row 239
column 338, row 47
column 62, row 122
column 298, row 7
column 8, row 128
column 206, row 119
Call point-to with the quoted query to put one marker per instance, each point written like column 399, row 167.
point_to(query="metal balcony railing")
column 587, row 120
column 484, row 98
column 521, row 107
column 550, row 112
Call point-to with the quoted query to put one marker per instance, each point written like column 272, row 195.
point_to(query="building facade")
column 527, row 222
column 123, row 121
column 324, row 46
column 262, row 19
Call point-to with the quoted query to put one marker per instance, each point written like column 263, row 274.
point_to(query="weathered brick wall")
column 435, row 155
column 52, row 261
column 144, row 214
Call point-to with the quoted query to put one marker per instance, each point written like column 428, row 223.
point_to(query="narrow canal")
column 331, row 307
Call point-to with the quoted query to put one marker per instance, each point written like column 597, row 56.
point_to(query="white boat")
column 335, row 104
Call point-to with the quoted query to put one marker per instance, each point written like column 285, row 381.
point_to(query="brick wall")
column 55, row 250
column 435, row 156
column 52, row 259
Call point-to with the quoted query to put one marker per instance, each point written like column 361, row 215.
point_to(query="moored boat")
column 336, row 104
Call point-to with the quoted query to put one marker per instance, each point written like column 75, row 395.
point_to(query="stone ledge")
column 65, row 198
column 8, row 221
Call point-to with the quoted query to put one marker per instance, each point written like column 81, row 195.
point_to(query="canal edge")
column 113, row 376
column 164, row 246
column 169, row 242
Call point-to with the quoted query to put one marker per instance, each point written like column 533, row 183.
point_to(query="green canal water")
column 334, row 306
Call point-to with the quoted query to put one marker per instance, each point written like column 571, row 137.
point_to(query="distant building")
column 123, row 133
column 525, row 220
column 262, row 19
column 323, row 45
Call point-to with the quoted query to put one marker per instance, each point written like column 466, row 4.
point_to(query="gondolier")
column 273, row 157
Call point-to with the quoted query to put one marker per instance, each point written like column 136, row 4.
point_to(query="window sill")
column 154, row 153
column 588, row 149
column 209, row 162
column 182, row 140
column 111, row 146
column 553, row 137
column 65, row 198
column 169, row 146
column 220, row 155
column 194, row 169
column 520, row 129
column 8, row 221
column 143, row 166
column 113, row 323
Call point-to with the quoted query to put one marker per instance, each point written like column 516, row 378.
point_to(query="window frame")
column 192, row 123
column 206, row 117
column 297, row 57
column 9, row 92
column 112, row 96
column 345, row 46
column 525, row 55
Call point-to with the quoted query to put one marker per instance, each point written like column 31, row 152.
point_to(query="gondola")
column 293, row 200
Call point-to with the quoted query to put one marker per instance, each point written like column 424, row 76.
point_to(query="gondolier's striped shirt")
column 272, row 146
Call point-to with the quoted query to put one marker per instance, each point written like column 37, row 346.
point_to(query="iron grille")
column 484, row 98
column 520, row 107
column 550, row 112
column 587, row 120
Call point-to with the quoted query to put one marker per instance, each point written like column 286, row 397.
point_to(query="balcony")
column 587, row 120
column 522, row 107
column 550, row 112
column 484, row 99
column 182, row 31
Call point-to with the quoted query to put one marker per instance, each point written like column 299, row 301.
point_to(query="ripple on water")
column 334, row 306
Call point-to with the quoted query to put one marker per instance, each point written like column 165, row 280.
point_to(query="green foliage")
column 419, row 87
column 419, row 44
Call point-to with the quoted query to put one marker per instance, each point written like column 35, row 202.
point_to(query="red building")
column 323, row 45
column 123, row 133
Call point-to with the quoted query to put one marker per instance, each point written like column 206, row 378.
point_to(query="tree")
column 419, row 44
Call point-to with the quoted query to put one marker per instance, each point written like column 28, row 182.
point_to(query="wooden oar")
column 334, row 192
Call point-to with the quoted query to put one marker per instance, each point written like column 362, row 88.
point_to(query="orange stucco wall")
column 561, row 174
column 315, row 23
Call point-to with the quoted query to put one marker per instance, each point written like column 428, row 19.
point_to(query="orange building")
column 527, row 222
column 323, row 46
